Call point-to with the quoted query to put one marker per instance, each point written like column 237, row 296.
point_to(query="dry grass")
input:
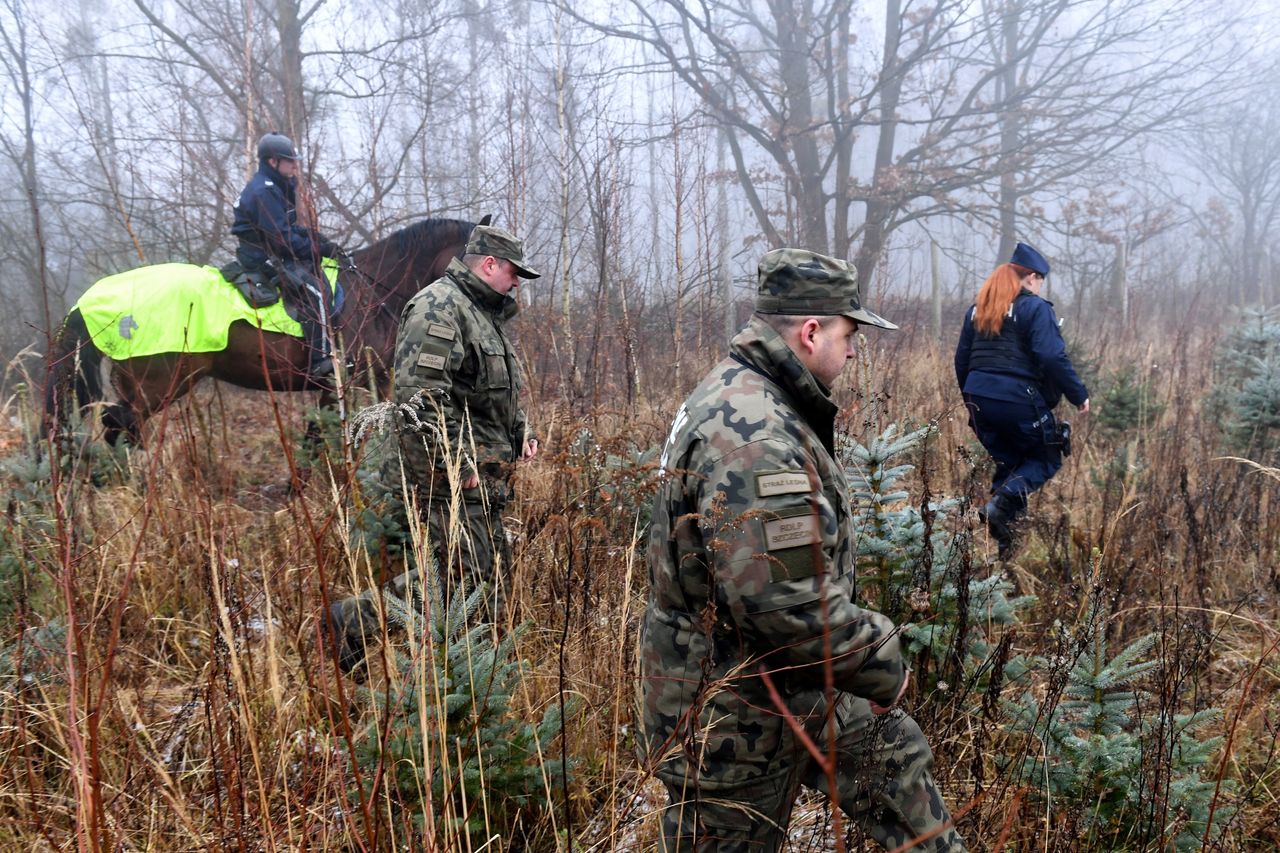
column 191, row 707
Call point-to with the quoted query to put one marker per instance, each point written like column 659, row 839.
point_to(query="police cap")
column 1025, row 256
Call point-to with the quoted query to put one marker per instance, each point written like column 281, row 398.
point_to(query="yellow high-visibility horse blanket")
column 175, row 308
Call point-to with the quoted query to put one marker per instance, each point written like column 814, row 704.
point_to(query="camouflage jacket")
column 752, row 537
column 455, row 363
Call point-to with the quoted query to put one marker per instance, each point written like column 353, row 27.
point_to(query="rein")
column 381, row 291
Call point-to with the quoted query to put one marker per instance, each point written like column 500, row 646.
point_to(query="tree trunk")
column 793, row 26
column 677, row 331
column 722, row 240
column 295, row 109
column 1007, row 84
column 562, row 123
column 935, row 290
column 20, row 73
column 843, row 136
column 1119, row 285
column 880, row 206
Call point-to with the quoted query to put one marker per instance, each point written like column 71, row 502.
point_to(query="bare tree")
column 966, row 99
column 1237, row 151
column 16, row 61
column 1079, row 82
column 262, row 70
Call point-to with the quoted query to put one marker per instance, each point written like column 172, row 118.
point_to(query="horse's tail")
column 74, row 379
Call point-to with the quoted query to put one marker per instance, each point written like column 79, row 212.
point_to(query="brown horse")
column 384, row 277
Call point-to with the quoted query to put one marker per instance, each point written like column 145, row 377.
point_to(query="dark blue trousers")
column 1023, row 440
column 309, row 297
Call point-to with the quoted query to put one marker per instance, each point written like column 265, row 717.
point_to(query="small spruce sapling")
column 445, row 731
column 1093, row 748
column 1247, row 386
column 916, row 563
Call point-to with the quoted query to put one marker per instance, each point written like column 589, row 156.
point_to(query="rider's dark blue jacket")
column 266, row 221
column 1027, row 361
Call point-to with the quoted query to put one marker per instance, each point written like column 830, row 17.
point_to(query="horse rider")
column 266, row 223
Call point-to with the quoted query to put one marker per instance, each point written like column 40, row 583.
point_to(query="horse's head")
column 392, row 270
column 401, row 264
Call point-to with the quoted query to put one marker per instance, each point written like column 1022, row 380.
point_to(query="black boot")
column 348, row 652
column 320, row 371
column 320, row 365
column 999, row 515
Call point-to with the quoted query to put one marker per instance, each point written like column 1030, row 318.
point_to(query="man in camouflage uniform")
column 456, row 369
column 751, row 569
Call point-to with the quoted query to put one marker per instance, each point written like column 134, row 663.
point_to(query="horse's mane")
column 411, row 238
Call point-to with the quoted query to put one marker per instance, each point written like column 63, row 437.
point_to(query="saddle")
column 258, row 288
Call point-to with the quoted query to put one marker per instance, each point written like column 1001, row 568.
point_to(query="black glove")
column 327, row 247
column 346, row 260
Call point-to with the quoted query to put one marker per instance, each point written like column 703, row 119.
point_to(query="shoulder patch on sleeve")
column 431, row 360
column 792, row 531
column 791, row 482
column 439, row 330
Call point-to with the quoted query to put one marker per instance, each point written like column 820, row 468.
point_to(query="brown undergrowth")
column 187, row 704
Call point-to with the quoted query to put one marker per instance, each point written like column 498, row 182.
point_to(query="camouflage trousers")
column 884, row 777
column 472, row 551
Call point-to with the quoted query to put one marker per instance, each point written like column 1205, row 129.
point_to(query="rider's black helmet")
column 276, row 145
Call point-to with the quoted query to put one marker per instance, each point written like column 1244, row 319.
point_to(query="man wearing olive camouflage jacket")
column 456, row 372
column 751, row 569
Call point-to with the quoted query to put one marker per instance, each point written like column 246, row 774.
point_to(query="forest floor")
column 164, row 684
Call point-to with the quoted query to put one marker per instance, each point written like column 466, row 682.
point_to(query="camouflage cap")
column 797, row 281
column 497, row 243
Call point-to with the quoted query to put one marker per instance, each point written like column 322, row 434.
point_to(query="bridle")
column 381, row 289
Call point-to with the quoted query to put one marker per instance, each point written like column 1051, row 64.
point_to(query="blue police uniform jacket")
column 1026, row 362
column 266, row 221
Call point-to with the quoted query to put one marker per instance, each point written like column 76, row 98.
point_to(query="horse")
column 377, row 285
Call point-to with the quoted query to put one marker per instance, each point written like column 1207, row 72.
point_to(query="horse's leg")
column 313, row 440
column 147, row 385
column 73, row 383
column 120, row 423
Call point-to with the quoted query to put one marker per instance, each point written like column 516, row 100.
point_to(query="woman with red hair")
column 1013, row 368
